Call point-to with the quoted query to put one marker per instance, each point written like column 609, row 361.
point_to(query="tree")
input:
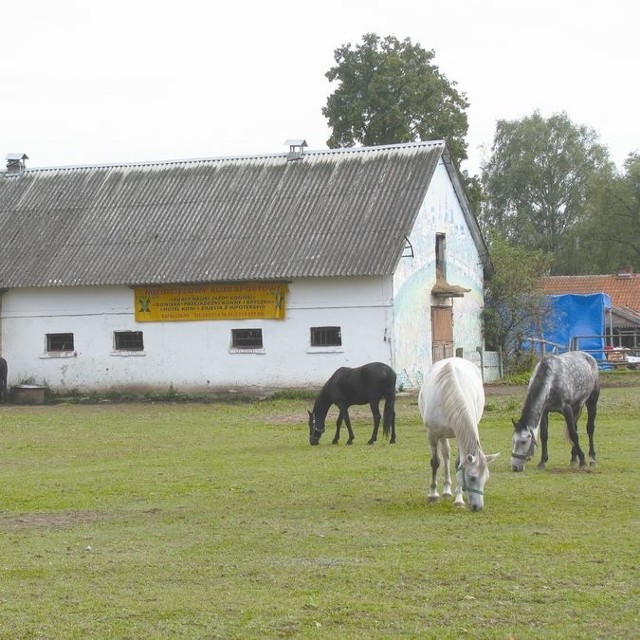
column 609, row 238
column 513, row 307
column 390, row 91
column 537, row 179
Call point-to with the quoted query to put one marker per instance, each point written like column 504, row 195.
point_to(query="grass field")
column 160, row 520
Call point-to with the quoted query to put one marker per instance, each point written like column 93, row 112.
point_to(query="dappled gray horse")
column 564, row 384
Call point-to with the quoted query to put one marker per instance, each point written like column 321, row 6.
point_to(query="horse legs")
column 592, row 409
column 389, row 418
column 435, row 463
column 375, row 410
column 440, row 452
column 445, row 451
column 459, row 499
column 336, row 438
column 544, row 437
column 344, row 413
column 572, row 430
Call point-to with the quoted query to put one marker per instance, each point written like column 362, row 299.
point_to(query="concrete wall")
column 192, row 356
column 414, row 279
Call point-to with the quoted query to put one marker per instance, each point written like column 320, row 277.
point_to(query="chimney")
column 15, row 163
column 296, row 149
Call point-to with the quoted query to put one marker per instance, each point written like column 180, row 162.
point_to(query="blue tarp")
column 578, row 321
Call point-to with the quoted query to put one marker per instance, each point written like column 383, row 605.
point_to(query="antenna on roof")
column 296, row 149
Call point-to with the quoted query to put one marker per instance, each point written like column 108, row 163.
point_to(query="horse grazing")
column 3, row 380
column 451, row 403
column 361, row 385
column 560, row 383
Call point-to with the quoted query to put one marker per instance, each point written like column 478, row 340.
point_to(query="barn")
column 238, row 272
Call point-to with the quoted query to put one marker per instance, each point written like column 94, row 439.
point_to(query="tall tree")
column 610, row 236
column 513, row 307
column 390, row 91
column 536, row 182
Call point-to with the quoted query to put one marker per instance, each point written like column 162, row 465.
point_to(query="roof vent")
column 15, row 163
column 625, row 272
column 296, row 149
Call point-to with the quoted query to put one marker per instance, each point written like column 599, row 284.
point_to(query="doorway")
column 442, row 333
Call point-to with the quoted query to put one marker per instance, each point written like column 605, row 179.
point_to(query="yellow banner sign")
column 210, row 302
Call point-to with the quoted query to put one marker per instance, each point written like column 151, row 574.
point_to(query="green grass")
column 162, row 520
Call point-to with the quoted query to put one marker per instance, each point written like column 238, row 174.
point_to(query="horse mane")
column 569, row 377
column 537, row 392
column 325, row 397
column 323, row 401
column 459, row 405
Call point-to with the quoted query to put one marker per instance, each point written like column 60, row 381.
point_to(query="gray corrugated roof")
column 332, row 213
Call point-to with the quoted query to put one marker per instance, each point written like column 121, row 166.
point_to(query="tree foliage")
column 537, row 180
column 390, row 91
column 513, row 307
column 609, row 237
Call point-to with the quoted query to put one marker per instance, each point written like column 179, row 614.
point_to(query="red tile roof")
column 624, row 290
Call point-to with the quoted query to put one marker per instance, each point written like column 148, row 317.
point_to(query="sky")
column 92, row 81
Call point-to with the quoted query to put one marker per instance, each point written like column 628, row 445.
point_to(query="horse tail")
column 388, row 416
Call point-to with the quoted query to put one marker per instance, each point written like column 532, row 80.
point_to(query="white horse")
column 451, row 404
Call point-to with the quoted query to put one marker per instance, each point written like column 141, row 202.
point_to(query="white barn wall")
column 440, row 213
column 192, row 356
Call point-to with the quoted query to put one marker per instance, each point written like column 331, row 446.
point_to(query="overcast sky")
column 99, row 81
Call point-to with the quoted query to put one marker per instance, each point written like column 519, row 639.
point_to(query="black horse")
column 3, row 380
column 361, row 385
column 565, row 384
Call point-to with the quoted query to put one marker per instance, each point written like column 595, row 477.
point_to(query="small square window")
column 128, row 340
column 326, row 337
column 60, row 342
column 246, row 338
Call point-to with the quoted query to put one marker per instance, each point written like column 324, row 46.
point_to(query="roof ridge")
column 250, row 156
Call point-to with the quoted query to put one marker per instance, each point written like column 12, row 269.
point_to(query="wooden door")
column 441, row 333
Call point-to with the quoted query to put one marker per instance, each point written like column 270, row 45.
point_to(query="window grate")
column 326, row 337
column 128, row 341
column 60, row 342
column 246, row 338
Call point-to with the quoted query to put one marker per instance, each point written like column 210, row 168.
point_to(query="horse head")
column 524, row 446
column 472, row 475
column 316, row 428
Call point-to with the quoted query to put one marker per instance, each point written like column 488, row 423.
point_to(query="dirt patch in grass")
column 50, row 520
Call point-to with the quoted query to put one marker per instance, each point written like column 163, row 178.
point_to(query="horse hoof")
column 593, row 463
column 447, row 494
column 460, row 505
column 433, row 499
column 349, row 441
column 542, row 466
column 334, row 442
column 370, row 441
column 392, row 441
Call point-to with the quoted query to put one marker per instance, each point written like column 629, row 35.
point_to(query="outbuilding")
column 238, row 272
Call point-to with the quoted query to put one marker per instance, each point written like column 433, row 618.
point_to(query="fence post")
column 480, row 352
